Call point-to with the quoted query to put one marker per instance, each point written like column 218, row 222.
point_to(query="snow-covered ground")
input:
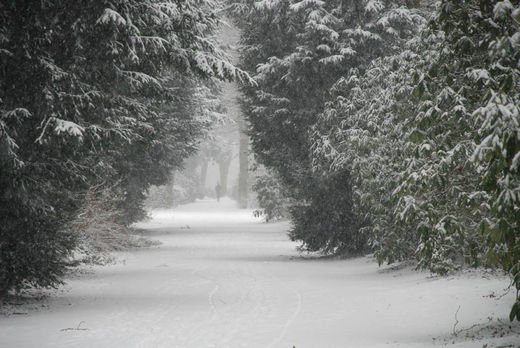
column 222, row 278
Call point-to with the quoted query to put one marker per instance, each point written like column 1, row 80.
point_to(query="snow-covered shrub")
column 498, row 121
column 471, row 92
column 431, row 136
column 98, row 226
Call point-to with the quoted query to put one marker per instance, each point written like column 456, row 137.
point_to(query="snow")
column 64, row 126
column 222, row 278
column 374, row 6
column 300, row 5
column 501, row 8
column 109, row 16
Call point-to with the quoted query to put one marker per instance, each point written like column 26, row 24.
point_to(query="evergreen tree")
column 297, row 51
column 92, row 93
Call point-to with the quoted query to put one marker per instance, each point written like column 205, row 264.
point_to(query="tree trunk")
column 203, row 174
column 170, row 199
column 243, row 164
column 223, row 165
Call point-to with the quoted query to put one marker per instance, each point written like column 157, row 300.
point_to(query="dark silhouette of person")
column 218, row 191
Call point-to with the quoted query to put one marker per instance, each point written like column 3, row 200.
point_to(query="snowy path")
column 224, row 279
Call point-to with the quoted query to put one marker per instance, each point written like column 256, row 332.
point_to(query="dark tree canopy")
column 93, row 93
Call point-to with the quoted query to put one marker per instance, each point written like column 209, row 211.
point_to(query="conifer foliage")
column 93, row 93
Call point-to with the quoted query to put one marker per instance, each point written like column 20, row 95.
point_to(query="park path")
column 222, row 278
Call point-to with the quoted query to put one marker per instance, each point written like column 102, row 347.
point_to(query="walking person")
column 218, row 190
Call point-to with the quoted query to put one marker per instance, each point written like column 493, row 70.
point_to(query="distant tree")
column 243, row 164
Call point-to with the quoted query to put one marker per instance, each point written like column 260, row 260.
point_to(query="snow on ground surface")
column 222, row 278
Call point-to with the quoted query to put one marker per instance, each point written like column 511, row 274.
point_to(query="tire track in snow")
column 245, row 310
column 239, row 287
column 211, row 300
column 292, row 318
column 289, row 321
